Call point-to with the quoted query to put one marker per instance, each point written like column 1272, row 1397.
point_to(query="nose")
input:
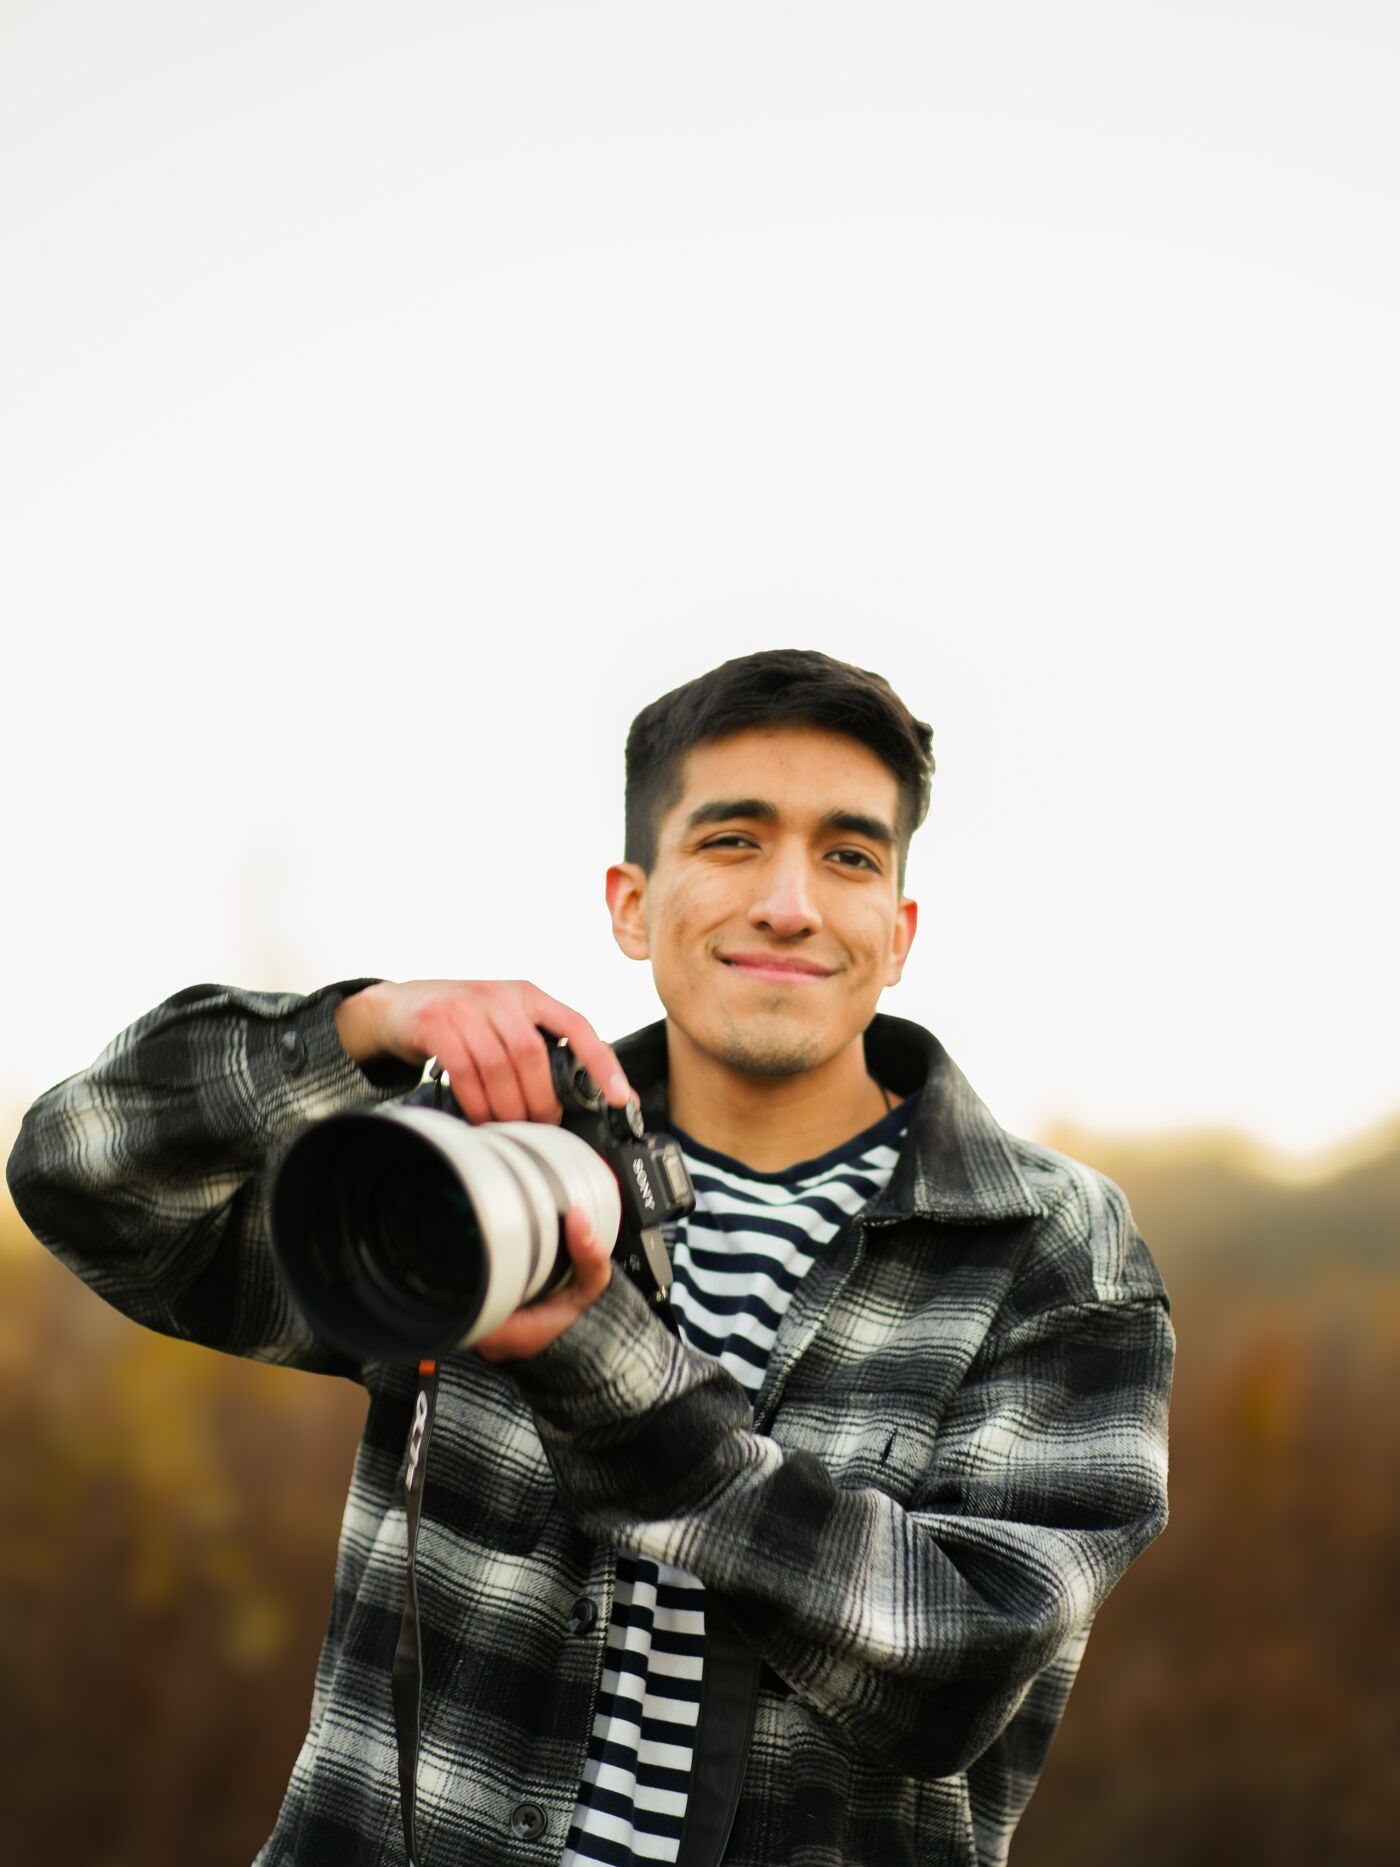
column 787, row 905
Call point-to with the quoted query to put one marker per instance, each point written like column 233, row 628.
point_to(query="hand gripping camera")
column 403, row 1232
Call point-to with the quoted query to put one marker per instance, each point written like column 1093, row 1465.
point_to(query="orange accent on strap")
column 427, row 1367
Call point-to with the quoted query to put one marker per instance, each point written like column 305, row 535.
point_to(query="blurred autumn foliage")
column 170, row 1518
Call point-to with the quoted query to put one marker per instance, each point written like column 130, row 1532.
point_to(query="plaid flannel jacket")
column 959, row 1447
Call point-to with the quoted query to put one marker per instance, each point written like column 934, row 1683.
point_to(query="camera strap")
column 408, row 1655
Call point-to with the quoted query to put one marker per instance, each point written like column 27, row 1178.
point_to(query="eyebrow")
column 725, row 809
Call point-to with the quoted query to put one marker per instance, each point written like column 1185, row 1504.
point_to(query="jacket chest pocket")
column 487, row 1474
column 882, row 1439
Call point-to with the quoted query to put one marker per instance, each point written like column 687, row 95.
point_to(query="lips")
column 774, row 966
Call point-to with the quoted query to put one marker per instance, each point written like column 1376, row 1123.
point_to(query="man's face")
column 772, row 915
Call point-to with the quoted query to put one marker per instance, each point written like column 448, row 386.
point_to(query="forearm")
column 913, row 1630
column 144, row 1173
column 358, row 1023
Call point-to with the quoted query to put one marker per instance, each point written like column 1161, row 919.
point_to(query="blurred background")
column 394, row 404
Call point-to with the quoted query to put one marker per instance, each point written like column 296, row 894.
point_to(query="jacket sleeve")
column 916, row 1632
column 146, row 1173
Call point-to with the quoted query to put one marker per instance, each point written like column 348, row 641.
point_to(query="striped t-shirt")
column 737, row 1261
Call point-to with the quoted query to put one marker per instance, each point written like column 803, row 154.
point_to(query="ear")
column 626, row 890
column 906, row 921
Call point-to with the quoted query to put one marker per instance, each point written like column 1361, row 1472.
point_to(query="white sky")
column 396, row 399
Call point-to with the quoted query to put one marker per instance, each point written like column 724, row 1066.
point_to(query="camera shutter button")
column 291, row 1052
column 583, row 1616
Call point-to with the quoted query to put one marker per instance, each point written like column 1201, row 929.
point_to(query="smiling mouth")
column 784, row 972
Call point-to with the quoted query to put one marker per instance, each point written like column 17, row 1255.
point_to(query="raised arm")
column 147, row 1174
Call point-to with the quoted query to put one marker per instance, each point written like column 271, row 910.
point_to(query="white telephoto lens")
column 520, row 1178
column 573, row 1173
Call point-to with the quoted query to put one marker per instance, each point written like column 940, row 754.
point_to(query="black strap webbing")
column 408, row 1656
column 723, row 1733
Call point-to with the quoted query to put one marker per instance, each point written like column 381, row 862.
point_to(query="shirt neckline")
column 887, row 1129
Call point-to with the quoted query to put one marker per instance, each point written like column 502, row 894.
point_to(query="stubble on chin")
column 759, row 1055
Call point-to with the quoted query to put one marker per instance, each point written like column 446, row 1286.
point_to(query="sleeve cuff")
column 616, row 1362
column 301, row 1071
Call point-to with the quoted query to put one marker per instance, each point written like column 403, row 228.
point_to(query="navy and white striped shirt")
column 737, row 1261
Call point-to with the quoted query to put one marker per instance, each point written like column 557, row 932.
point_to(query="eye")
column 861, row 859
column 730, row 837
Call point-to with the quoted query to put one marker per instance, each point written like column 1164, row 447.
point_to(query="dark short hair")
column 776, row 687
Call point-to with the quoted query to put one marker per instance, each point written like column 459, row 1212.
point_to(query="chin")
column 772, row 1053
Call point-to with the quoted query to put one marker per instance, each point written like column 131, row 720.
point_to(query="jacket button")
column 583, row 1616
column 291, row 1051
column 528, row 1821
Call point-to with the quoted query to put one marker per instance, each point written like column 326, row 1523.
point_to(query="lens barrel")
column 403, row 1233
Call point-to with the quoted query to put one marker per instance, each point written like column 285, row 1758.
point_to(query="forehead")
column 803, row 770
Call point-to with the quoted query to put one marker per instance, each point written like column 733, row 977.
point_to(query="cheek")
column 872, row 945
column 683, row 923
column 683, row 933
column 675, row 949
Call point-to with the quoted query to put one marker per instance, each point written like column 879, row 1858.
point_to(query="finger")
column 524, row 1334
column 530, row 1058
column 590, row 1255
column 493, row 1064
column 463, row 1080
column 595, row 1056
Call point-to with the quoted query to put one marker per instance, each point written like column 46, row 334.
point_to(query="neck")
column 770, row 1122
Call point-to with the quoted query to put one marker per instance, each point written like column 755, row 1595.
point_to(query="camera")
column 404, row 1232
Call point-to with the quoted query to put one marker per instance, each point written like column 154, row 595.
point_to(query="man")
column 804, row 1576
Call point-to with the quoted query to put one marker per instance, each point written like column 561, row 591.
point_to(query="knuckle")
column 424, row 1023
column 525, row 1042
column 490, row 1058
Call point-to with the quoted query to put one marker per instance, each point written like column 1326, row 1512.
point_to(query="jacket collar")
column 957, row 1163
